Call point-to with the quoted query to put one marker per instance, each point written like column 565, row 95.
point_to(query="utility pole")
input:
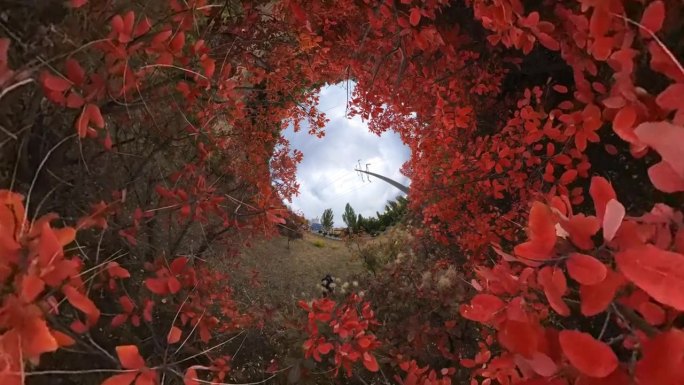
column 394, row 183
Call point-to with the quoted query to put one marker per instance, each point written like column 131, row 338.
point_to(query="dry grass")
column 287, row 275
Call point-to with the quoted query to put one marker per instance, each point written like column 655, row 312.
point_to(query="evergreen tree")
column 350, row 219
column 327, row 220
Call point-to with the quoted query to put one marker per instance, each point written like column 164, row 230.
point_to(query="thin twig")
column 629, row 315
column 86, row 371
column 14, row 86
column 605, row 324
column 100, row 348
column 191, row 332
column 657, row 40
column 207, row 350
column 176, row 67
column 35, row 177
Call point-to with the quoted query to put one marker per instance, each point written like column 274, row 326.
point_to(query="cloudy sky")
column 326, row 175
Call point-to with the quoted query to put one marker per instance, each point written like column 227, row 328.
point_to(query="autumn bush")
column 545, row 144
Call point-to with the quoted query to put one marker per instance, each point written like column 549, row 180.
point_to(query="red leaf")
column 115, row 270
column 599, row 22
column 82, row 303
column 120, row 379
column 561, row 89
column 596, row 298
column 298, row 12
column 659, row 273
column 547, row 41
column 586, row 269
column 74, row 71
column 65, row 235
column 602, row 47
column 37, row 338
column 174, row 285
column 62, row 339
column 568, row 177
column 147, row 312
column 130, row 357
column 78, row 327
column 542, row 234
column 174, row 335
column 94, row 115
column 612, row 150
column 553, row 281
column 614, row 102
column 519, row 337
column 581, row 228
column 12, row 372
column 143, row 27
column 31, row 287
column 185, row 211
column 147, row 377
column 666, row 138
column 601, row 192
column 653, row 17
column 82, row 124
column 127, row 304
column 178, row 265
column 117, row 23
column 542, row 364
column 623, row 123
column 664, row 178
column 615, row 213
column 652, row 313
column 662, row 358
column 107, row 143
column 591, row 357
column 671, row 98
column 414, row 17
column 370, row 362
column 482, row 308
column 157, row 285
column 363, row 342
column 325, row 348
column 49, row 247
column 177, row 43
column 190, row 377
column 74, row 100
column 209, row 66
column 55, row 83
column 119, row 320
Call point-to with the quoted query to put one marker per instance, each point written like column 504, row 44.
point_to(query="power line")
column 347, row 191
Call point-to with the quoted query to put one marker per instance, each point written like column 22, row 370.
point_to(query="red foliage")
column 350, row 338
column 491, row 130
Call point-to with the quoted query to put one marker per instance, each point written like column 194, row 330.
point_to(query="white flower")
column 355, row 283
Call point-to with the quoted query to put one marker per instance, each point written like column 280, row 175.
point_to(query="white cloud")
column 326, row 175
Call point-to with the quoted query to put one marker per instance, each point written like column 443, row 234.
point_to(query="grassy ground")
column 286, row 275
column 270, row 278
